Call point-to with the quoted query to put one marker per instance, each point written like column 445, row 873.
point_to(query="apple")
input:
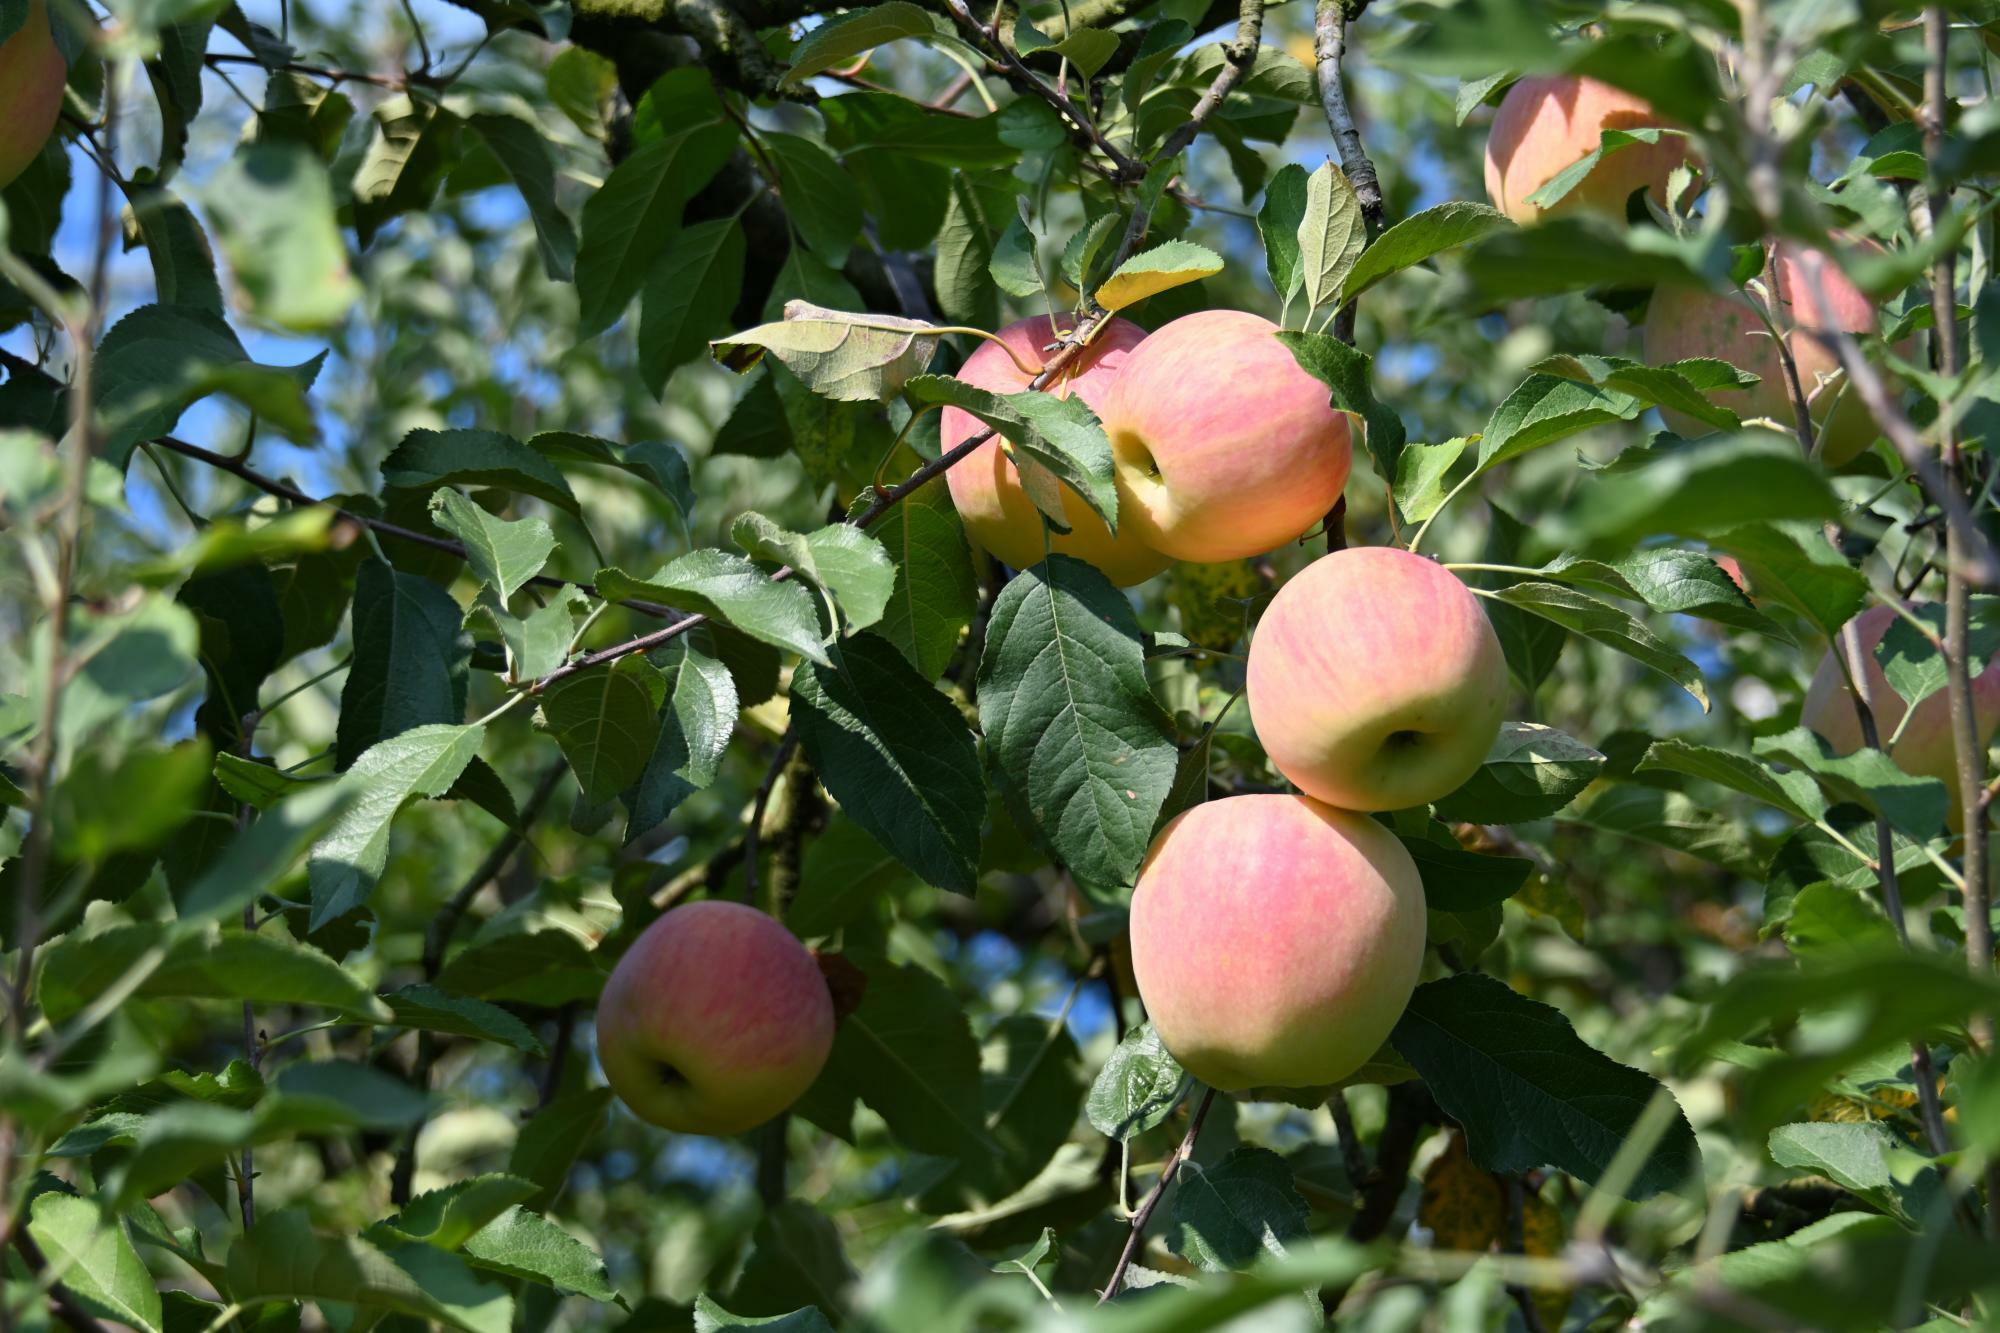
column 1375, row 680
column 715, row 1020
column 1685, row 321
column 1547, row 124
column 32, row 74
column 1225, row 447
column 1925, row 748
column 1275, row 940
column 984, row 485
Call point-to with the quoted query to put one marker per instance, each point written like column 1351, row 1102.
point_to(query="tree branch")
column 1152, row 1200
column 727, row 40
column 1410, row 1111
column 236, row 467
column 1237, row 57
column 1029, row 82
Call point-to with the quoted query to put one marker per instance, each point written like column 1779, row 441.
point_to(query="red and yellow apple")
column 986, row 488
column 1275, row 940
column 1686, row 321
column 1375, row 680
column 1545, row 125
column 1925, row 747
column 32, row 74
column 1225, row 447
column 715, row 1020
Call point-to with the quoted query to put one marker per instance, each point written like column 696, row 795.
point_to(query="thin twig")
column 1237, row 57
column 754, row 830
column 1353, row 1156
column 1028, row 81
column 236, row 467
column 1969, row 748
column 397, row 81
column 1152, row 1200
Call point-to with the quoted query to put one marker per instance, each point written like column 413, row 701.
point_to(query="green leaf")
column 1456, row 880
column 448, row 1217
column 427, row 459
column 846, row 357
column 1014, row 267
column 1704, row 489
column 1418, row 238
column 258, row 855
column 1138, row 1088
column 897, row 756
column 846, row 873
column 840, row 558
column 1083, row 257
column 1531, row 772
column 606, row 720
column 427, row 1008
column 1667, row 819
column 183, row 266
column 1421, row 469
column 95, row 1257
column 689, row 293
column 110, row 802
column 1911, row 660
column 1606, row 624
column 504, row 555
column 1828, row 921
column 1037, row 1256
column 693, row 733
column 1854, row 1006
column 658, row 463
column 1528, row 1092
column 935, row 592
column 205, row 963
column 525, row 154
column 423, row 761
column 344, row 1092
column 413, row 145
column 1795, row 793
column 1672, row 583
column 1278, row 222
column 1070, row 719
column 538, row 642
column 272, row 208
column 522, row 1244
column 709, row 1317
column 1547, row 408
column 1866, row 1159
column 550, row 1143
column 628, row 222
column 1060, row 435
column 1331, row 235
column 1792, row 563
column 838, row 40
column 1241, row 1209
column 280, row 1259
column 964, row 250
column 731, row 589
column 818, row 194
column 158, row 361
column 1166, row 266
column 908, row 1054
column 1557, row 187
column 1348, row 374
column 795, row 1260
column 1913, row 805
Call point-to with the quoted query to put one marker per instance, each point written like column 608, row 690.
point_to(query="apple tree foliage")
column 458, row 472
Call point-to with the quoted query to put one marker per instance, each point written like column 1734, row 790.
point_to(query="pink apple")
column 1375, row 680
column 1545, row 125
column 1685, row 321
column 985, row 486
column 32, row 74
column 715, row 1020
column 1225, row 447
column 1925, row 747
column 1275, row 940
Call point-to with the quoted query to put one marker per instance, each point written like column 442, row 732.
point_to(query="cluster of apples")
column 1545, row 125
column 32, row 74
column 1223, row 447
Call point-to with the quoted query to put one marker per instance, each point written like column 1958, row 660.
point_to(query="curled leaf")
column 853, row 358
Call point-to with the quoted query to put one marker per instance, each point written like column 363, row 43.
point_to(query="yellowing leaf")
column 1463, row 1206
column 846, row 357
column 1155, row 271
